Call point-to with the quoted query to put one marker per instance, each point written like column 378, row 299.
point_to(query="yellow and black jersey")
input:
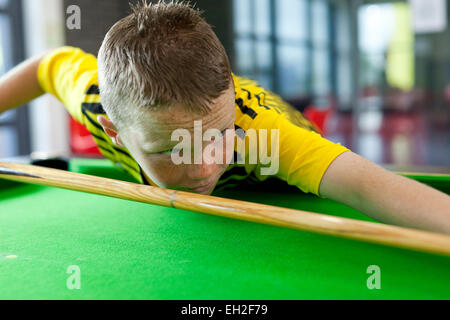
column 71, row 75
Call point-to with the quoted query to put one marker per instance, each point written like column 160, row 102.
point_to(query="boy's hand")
column 385, row 196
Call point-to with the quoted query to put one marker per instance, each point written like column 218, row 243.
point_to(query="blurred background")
column 374, row 75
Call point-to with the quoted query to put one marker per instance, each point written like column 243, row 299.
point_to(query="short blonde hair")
column 160, row 55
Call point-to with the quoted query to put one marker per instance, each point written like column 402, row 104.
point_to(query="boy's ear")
column 110, row 130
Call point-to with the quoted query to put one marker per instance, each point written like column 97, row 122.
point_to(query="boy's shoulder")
column 257, row 106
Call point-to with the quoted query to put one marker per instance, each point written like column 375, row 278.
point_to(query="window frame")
column 20, row 121
column 308, row 45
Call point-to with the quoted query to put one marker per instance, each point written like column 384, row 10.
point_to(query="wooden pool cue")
column 289, row 218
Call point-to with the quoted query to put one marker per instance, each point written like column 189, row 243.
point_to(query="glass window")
column 262, row 18
column 7, row 116
column 344, row 80
column 320, row 21
column 245, row 57
column 263, row 55
column 291, row 19
column 372, row 69
column 370, row 146
column 265, row 80
column 253, row 45
column 343, row 60
column 5, row 44
column 374, row 40
column 300, row 52
column 11, row 141
column 321, row 72
column 292, row 73
column 1, row 52
column 374, row 36
column 343, row 29
column 8, row 147
column 242, row 17
column 264, row 64
column 3, row 4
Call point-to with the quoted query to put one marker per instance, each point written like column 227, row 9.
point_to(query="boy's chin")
column 205, row 193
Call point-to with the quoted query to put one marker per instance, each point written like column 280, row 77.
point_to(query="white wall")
column 44, row 23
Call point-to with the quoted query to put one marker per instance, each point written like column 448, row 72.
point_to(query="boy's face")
column 150, row 144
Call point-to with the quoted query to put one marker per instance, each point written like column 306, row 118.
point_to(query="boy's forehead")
column 156, row 126
column 179, row 116
column 175, row 119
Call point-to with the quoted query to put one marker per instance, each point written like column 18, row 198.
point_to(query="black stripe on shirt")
column 122, row 163
column 95, row 124
column 114, row 147
column 106, row 150
column 123, row 152
column 144, row 181
column 246, row 110
column 93, row 107
column 258, row 96
column 98, row 137
column 93, row 89
column 128, row 166
column 249, row 95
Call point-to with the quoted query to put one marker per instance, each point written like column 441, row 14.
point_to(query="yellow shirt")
column 71, row 75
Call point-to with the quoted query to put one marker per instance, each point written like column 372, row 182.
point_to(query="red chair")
column 81, row 141
column 319, row 117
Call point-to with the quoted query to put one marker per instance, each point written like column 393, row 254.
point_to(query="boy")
column 162, row 69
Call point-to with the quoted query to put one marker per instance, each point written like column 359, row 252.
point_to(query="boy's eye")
column 167, row 152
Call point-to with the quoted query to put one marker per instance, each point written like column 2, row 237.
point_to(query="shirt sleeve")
column 66, row 73
column 303, row 155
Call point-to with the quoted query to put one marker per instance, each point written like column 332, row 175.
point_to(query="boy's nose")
column 203, row 170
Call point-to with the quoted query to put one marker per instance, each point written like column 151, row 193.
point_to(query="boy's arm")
column 20, row 85
column 385, row 196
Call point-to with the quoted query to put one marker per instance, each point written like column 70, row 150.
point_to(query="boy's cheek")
column 166, row 174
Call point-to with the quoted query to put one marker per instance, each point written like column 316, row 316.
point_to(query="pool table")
column 129, row 250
